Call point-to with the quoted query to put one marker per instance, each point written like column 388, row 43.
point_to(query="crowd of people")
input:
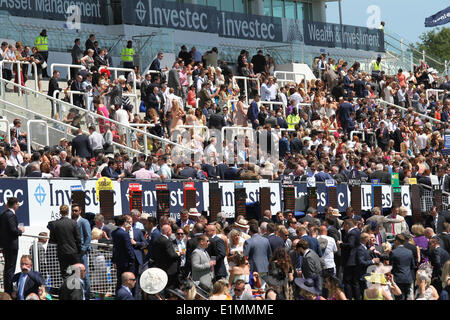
column 376, row 257
column 280, row 256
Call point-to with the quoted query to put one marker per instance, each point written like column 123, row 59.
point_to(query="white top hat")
column 153, row 280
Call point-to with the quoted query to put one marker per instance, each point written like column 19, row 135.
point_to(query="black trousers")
column 405, row 288
column 122, row 269
column 10, row 256
column 44, row 70
column 66, row 260
column 351, row 283
column 128, row 65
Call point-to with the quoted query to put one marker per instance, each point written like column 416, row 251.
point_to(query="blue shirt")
column 21, row 284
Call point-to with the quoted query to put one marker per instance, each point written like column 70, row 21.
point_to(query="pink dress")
column 241, row 118
column 103, row 111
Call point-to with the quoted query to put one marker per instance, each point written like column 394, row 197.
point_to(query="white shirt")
column 122, row 116
column 328, row 255
column 97, row 141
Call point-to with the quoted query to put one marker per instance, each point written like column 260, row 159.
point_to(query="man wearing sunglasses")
column 128, row 283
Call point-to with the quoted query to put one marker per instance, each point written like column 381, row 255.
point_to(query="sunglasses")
column 180, row 234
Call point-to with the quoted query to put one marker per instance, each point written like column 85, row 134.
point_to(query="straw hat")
column 242, row 223
column 194, row 212
column 376, row 278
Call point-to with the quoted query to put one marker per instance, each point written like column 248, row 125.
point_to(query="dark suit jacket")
column 383, row 176
column 164, row 255
column 413, row 250
column 52, row 87
column 154, row 235
column 123, row 253
column 35, row 174
column 430, row 223
column 9, row 232
column 333, row 232
column 363, row 259
column 445, row 241
column 313, row 244
column 32, row 284
column 191, row 245
column 124, row 294
column 216, row 121
column 275, row 242
column 141, row 243
column 66, row 234
column 402, row 262
column 81, row 146
column 76, row 54
column 349, row 247
column 217, row 248
column 438, row 257
column 99, row 61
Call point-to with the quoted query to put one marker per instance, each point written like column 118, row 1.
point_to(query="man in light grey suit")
column 258, row 252
column 202, row 265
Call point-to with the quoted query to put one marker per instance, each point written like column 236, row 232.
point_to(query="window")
column 289, row 9
column 299, row 11
column 278, row 8
column 267, row 7
column 227, row 5
column 201, row 2
column 239, row 6
column 214, row 3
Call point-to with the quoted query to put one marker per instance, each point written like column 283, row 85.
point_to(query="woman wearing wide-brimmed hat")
column 309, row 288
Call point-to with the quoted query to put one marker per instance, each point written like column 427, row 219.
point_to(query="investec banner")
column 40, row 199
column 198, row 18
column 348, row 37
column 92, row 11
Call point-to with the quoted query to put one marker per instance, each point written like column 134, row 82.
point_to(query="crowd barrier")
column 40, row 199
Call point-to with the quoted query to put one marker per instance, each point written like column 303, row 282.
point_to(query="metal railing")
column 8, row 131
column 427, row 200
column 434, row 92
column 42, row 122
column 294, row 74
column 258, row 82
column 19, row 73
column 381, row 102
column 65, row 65
column 96, row 117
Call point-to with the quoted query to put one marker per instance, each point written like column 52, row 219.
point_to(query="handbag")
column 44, row 65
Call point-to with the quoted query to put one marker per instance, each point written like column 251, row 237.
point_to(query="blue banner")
column 19, row 189
column 322, row 195
column 438, row 19
column 149, row 204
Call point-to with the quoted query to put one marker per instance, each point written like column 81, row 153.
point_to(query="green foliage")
column 436, row 44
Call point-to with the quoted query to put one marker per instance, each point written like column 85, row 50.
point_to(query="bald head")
column 323, row 230
column 166, row 230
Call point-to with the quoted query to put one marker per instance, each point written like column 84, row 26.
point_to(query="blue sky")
column 404, row 17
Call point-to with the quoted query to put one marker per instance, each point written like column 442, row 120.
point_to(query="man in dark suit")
column 402, row 262
column 312, row 242
column 438, row 257
column 85, row 237
column 379, row 173
column 216, row 249
column 138, row 242
column 77, row 86
column 123, row 253
column 274, row 240
column 128, row 284
column 73, row 287
column 349, row 247
column 53, row 86
column 77, row 54
column 445, row 237
column 100, row 224
column 165, row 257
column 311, row 264
column 216, row 119
column 81, row 146
column 9, row 241
column 27, row 281
column 191, row 245
column 435, row 221
column 363, row 260
column 89, row 44
column 252, row 113
column 153, row 235
column 65, row 234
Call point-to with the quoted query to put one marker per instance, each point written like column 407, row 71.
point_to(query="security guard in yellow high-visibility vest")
column 41, row 43
column 127, row 57
column 293, row 119
column 376, row 68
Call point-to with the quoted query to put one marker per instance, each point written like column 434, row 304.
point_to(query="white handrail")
column 47, row 139
column 271, row 103
column 19, row 73
column 95, row 115
column 8, row 132
column 436, row 91
column 65, row 65
column 380, row 101
column 58, row 122
column 258, row 82
column 285, row 73
column 134, row 94
column 146, row 125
